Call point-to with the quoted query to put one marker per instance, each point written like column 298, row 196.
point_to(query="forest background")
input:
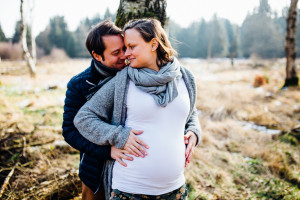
column 262, row 34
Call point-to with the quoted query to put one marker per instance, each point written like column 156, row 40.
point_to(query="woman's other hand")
column 190, row 140
column 119, row 154
column 135, row 145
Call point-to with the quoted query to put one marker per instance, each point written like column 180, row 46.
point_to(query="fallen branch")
column 63, row 187
column 10, row 168
column 28, row 145
column 24, row 146
column 49, row 128
column 6, row 181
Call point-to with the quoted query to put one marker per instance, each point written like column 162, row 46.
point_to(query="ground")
column 250, row 132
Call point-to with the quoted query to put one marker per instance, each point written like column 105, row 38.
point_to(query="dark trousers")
column 178, row 194
column 88, row 194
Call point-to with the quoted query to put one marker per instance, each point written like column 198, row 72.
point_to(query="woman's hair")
column 151, row 28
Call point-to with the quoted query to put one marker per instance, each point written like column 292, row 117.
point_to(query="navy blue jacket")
column 92, row 156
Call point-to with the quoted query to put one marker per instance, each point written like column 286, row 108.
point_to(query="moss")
column 144, row 12
column 296, row 133
column 277, row 189
column 192, row 192
column 256, row 166
column 288, row 138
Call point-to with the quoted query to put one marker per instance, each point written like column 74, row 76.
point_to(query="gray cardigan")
column 101, row 120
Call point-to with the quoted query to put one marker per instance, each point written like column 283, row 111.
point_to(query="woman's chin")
column 134, row 66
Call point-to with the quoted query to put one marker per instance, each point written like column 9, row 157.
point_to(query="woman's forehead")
column 132, row 35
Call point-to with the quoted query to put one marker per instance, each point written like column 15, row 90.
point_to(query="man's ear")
column 154, row 44
column 97, row 56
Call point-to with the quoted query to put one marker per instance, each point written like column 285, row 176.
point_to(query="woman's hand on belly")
column 135, row 145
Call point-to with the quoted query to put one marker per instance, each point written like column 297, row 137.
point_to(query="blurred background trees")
column 2, row 35
column 262, row 34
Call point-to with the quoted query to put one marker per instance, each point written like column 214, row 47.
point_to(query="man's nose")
column 122, row 55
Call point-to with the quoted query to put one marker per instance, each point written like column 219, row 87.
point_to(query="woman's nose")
column 127, row 52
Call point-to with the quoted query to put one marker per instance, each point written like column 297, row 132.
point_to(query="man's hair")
column 151, row 28
column 94, row 41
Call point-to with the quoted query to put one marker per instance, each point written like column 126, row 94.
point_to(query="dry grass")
column 235, row 160
column 30, row 132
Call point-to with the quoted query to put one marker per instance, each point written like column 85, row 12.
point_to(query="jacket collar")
column 100, row 72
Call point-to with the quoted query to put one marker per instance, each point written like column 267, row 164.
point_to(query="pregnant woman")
column 154, row 94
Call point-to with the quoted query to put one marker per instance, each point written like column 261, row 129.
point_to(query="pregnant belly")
column 164, row 162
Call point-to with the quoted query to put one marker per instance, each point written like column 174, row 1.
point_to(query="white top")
column 162, row 171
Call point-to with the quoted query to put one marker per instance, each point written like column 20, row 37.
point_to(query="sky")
column 182, row 12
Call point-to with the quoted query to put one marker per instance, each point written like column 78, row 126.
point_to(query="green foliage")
column 81, row 33
column 194, row 41
column 260, row 34
column 17, row 34
column 2, row 35
column 297, row 45
column 57, row 35
column 277, row 189
column 42, row 40
column 192, row 192
column 15, row 157
column 288, row 138
column 255, row 166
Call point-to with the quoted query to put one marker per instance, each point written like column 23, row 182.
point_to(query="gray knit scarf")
column 162, row 85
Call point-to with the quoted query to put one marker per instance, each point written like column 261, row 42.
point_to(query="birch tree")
column 291, row 74
column 26, row 54
column 33, row 44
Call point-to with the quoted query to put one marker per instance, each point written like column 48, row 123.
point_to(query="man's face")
column 113, row 55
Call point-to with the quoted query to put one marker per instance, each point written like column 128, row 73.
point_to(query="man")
column 105, row 44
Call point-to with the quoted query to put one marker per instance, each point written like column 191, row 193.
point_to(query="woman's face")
column 138, row 51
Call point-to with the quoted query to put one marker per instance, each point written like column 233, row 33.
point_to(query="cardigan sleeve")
column 193, row 123
column 93, row 120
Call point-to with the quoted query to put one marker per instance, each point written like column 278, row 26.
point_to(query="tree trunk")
column 291, row 75
column 26, row 54
column 33, row 45
column 132, row 9
column 211, row 38
column 234, row 50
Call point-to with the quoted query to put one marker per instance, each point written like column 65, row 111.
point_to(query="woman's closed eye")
column 130, row 47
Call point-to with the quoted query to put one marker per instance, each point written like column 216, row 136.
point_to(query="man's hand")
column 119, row 154
column 135, row 145
column 190, row 139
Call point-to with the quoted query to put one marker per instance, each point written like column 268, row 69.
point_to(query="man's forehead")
column 112, row 37
column 113, row 41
